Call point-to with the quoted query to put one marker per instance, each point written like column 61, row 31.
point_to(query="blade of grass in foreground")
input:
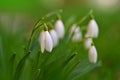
column 2, row 60
column 12, row 63
column 81, row 69
column 20, row 67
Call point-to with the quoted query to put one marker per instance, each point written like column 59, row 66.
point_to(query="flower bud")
column 48, row 42
column 59, row 27
column 92, row 30
column 54, row 37
column 87, row 43
column 92, row 54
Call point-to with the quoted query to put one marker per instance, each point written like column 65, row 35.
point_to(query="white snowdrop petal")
column 59, row 27
column 54, row 37
column 77, row 29
column 92, row 30
column 92, row 54
column 88, row 43
column 42, row 41
column 77, row 35
column 48, row 42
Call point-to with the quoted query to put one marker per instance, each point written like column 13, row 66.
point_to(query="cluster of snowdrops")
column 50, row 36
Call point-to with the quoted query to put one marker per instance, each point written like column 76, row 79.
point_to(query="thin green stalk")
column 31, row 36
column 20, row 67
column 53, row 13
column 85, row 17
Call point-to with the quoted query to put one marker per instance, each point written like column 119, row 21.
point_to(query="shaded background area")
column 17, row 18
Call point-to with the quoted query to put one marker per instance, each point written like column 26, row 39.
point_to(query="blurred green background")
column 17, row 18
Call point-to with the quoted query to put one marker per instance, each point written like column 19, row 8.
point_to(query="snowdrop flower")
column 46, row 41
column 59, row 27
column 77, row 34
column 92, row 54
column 88, row 42
column 92, row 30
column 42, row 41
column 54, row 36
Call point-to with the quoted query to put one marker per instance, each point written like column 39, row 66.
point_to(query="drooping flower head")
column 87, row 43
column 92, row 54
column 76, row 33
column 42, row 41
column 59, row 27
column 92, row 30
column 77, row 36
column 46, row 41
column 54, row 36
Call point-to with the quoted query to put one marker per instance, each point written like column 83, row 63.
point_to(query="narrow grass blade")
column 20, row 67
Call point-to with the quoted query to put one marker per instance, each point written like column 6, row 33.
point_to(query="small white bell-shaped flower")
column 87, row 43
column 92, row 30
column 77, row 34
column 54, row 36
column 59, row 27
column 46, row 41
column 92, row 54
column 42, row 41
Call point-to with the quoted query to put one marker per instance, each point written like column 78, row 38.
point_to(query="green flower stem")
column 45, row 27
column 37, row 25
column 58, row 16
column 51, row 26
column 69, row 38
column 21, row 63
column 53, row 13
column 85, row 17
column 91, row 16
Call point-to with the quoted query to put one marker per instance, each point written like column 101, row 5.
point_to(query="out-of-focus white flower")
column 105, row 5
column 46, row 41
column 92, row 30
column 77, row 34
column 92, row 54
column 59, row 27
column 54, row 37
column 88, row 42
